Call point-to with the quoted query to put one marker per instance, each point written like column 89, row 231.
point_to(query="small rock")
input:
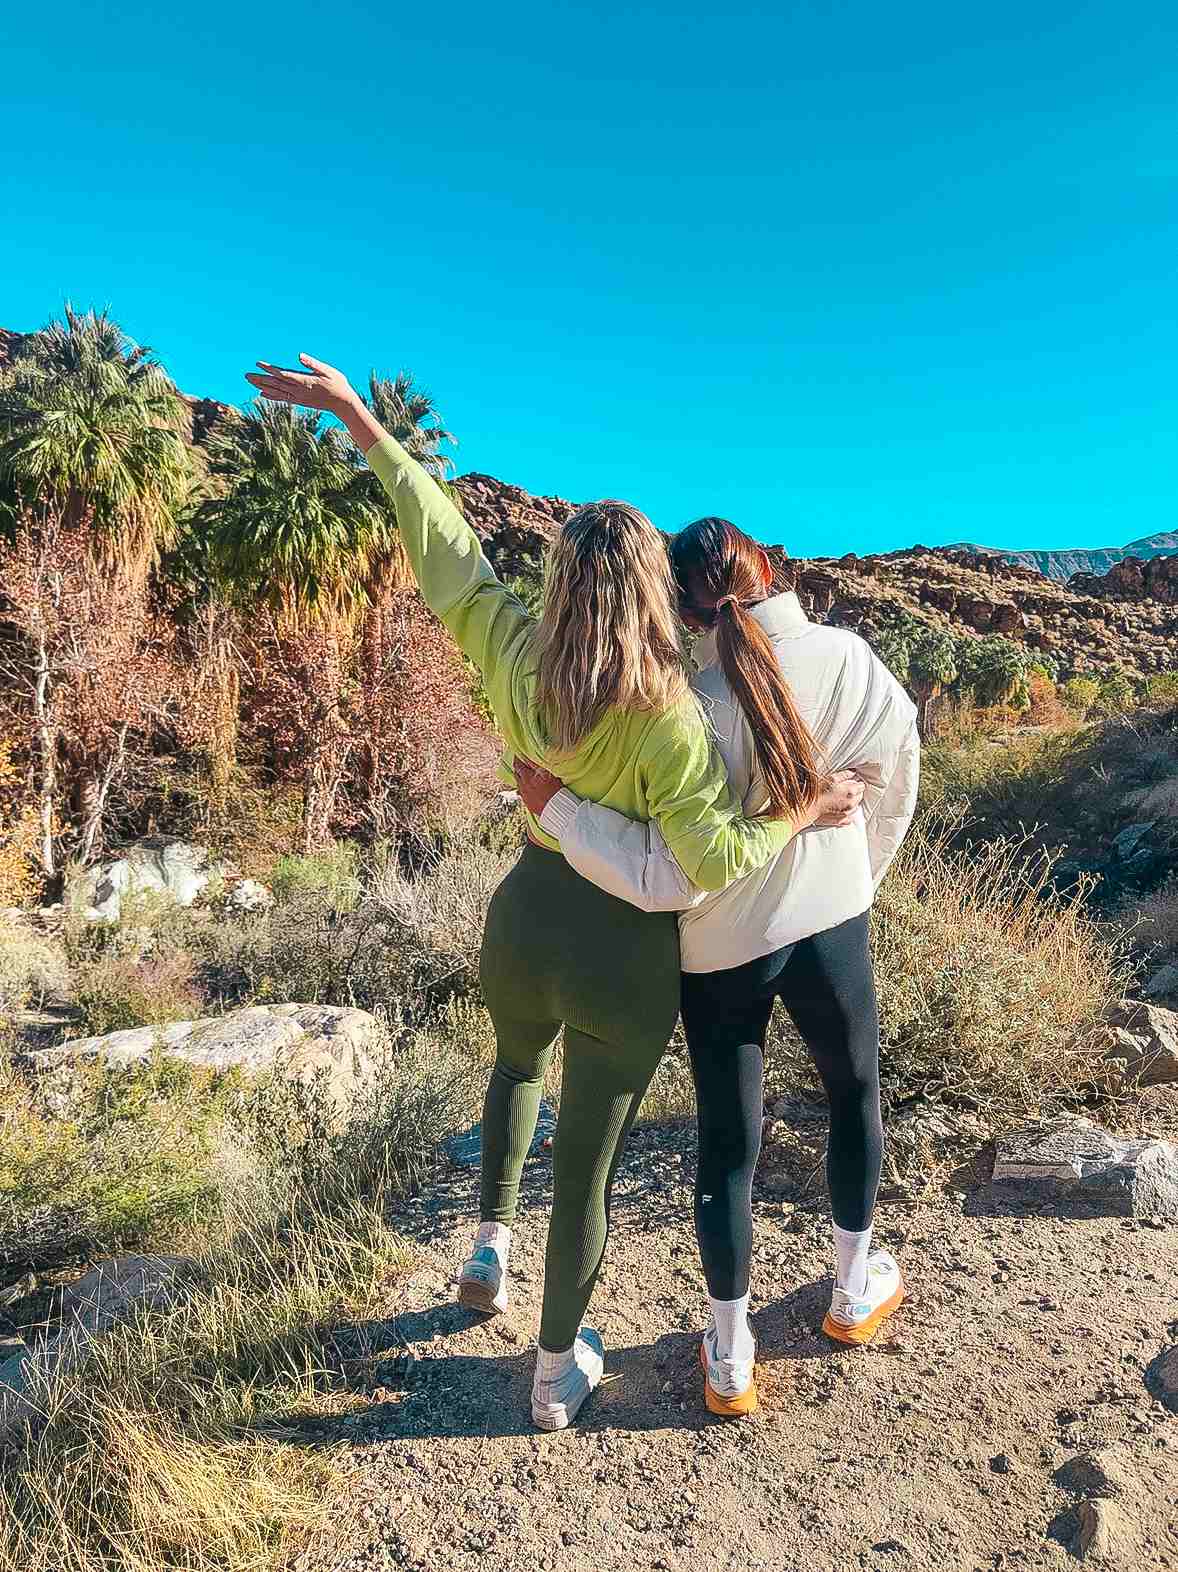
column 1074, row 1157
column 113, row 1292
column 1125, row 844
column 1145, row 1036
column 1100, row 1531
column 1102, row 1474
column 1001, row 1464
column 1161, row 1377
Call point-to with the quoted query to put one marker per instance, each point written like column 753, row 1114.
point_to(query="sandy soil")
column 960, row 1439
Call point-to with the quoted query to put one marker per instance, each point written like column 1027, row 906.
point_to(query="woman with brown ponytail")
column 790, row 702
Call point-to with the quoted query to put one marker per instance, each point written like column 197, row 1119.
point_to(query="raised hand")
column 320, row 386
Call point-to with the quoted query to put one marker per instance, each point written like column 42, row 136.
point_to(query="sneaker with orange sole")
column 730, row 1389
column 857, row 1318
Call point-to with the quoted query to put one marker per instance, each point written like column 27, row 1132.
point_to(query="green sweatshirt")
column 647, row 765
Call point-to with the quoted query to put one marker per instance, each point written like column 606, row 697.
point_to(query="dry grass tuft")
column 171, row 1446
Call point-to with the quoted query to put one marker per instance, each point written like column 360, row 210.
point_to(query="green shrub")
column 331, row 873
column 1117, row 694
column 95, row 1159
column 1080, row 694
column 1161, row 689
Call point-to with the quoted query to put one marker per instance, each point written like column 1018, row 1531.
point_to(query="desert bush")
column 426, row 1086
column 1045, row 707
column 991, row 987
column 1161, row 690
column 440, row 907
column 1116, row 694
column 1158, row 919
column 97, row 1159
column 330, row 873
column 989, row 776
column 32, row 967
column 170, row 1445
column 116, row 990
column 1080, row 694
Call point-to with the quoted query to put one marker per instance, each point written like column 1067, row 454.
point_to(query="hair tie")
column 727, row 600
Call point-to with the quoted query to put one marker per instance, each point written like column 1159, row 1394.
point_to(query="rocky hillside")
column 1127, row 619
column 1062, row 565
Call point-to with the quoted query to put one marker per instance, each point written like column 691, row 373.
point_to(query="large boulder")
column 304, row 1042
column 171, row 869
column 116, row 1291
column 1074, row 1158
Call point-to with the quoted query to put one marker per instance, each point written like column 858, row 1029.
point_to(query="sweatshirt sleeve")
column 622, row 856
column 891, row 814
column 455, row 578
column 694, row 806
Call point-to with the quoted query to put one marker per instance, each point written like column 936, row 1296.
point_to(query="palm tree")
column 410, row 414
column 296, row 521
column 932, row 666
column 91, row 424
column 995, row 670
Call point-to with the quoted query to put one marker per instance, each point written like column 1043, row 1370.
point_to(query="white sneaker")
column 482, row 1282
column 857, row 1318
column 557, row 1398
column 729, row 1387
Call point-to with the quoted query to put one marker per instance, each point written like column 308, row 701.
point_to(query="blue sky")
column 852, row 275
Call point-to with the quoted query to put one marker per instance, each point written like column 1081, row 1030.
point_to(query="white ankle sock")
column 550, row 1367
column 734, row 1338
column 498, row 1236
column 558, row 1374
column 852, row 1250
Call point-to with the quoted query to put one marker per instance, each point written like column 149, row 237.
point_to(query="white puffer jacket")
column 861, row 718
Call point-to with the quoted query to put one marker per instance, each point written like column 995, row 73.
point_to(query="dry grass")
column 32, row 967
column 171, row 1446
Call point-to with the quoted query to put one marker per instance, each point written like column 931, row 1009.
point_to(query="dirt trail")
column 1022, row 1345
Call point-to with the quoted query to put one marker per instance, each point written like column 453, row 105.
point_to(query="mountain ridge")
column 1062, row 564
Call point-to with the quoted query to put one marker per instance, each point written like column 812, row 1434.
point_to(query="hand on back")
column 837, row 806
column 536, row 785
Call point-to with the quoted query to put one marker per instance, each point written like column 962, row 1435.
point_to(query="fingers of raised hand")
column 285, row 385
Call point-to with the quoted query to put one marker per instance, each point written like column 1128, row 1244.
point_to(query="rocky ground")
column 1010, row 1415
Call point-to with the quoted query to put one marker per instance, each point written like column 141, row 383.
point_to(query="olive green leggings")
column 559, row 951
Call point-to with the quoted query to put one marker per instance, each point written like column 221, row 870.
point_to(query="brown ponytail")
column 720, row 572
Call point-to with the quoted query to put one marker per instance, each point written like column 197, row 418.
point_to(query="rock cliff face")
column 1062, row 565
column 1086, row 628
column 1132, row 579
column 514, row 526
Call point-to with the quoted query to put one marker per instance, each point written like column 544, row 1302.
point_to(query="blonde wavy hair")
column 608, row 636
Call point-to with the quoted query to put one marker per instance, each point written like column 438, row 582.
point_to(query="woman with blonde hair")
column 596, row 688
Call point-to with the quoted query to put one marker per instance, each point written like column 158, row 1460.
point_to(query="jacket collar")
column 781, row 616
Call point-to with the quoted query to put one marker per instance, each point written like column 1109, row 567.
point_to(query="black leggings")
column 827, row 986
